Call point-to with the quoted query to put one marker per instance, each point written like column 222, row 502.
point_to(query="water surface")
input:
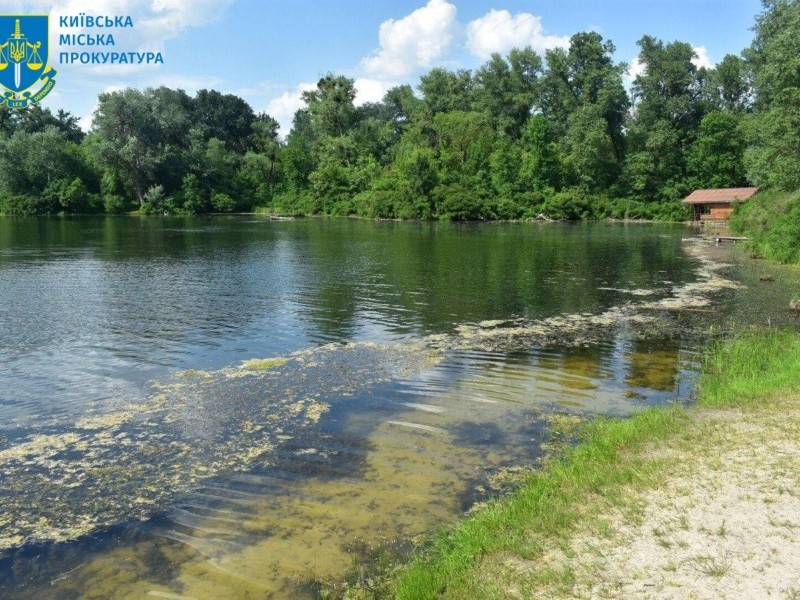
column 406, row 365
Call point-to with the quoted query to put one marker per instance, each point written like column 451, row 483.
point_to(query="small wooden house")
column 716, row 205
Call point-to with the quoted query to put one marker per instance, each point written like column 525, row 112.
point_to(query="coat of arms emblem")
column 25, row 77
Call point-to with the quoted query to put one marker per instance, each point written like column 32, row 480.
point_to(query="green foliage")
column 222, row 203
column 716, row 158
column 669, row 106
column 772, row 220
column 195, row 199
column 71, row 196
column 115, row 205
column 25, row 205
column 520, row 137
column 774, row 157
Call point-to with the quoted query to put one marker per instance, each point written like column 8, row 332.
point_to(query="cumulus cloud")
column 283, row 107
column 371, row 90
column 416, row 40
column 702, row 59
column 499, row 31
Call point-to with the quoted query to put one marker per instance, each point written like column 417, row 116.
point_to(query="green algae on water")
column 264, row 364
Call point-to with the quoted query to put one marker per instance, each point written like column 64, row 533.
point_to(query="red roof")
column 720, row 195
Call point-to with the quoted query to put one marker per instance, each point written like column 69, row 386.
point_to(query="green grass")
column 750, row 370
column 753, row 367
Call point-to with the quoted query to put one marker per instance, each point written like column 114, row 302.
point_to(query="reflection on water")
column 397, row 367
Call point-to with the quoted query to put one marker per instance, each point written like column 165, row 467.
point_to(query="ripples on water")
column 416, row 361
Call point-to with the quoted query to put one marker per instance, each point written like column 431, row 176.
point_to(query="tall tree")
column 331, row 105
column 225, row 117
column 667, row 113
column 774, row 157
column 583, row 95
column 506, row 90
column 446, row 91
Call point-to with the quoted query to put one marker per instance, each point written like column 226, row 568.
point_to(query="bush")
column 69, row 196
column 115, row 205
column 455, row 202
column 193, row 198
column 25, row 205
column 223, row 203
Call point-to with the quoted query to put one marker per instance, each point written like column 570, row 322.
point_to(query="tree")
column 37, row 170
column 225, row 117
column 132, row 134
column 330, row 106
column 446, row 91
column 668, row 109
column 404, row 106
column 583, row 96
column 506, row 90
column 716, row 158
column 774, row 158
column 732, row 86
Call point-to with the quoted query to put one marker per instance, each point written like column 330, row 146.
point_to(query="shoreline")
column 617, row 514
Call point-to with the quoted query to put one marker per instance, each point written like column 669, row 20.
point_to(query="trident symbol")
column 17, row 50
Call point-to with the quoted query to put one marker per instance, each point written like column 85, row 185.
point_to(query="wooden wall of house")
column 717, row 212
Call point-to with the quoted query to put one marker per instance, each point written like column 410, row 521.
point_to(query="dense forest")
column 556, row 136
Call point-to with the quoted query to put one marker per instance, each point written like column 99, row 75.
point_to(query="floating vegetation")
column 584, row 329
column 635, row 292
column 126, row 465
column 263, row 364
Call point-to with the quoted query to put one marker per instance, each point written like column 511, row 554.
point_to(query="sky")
column 269, row 51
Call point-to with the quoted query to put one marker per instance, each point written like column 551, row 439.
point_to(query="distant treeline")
column 523, row 136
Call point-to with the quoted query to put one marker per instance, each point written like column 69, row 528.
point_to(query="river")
column 239, row 407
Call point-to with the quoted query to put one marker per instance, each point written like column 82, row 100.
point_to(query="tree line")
column 522, row 136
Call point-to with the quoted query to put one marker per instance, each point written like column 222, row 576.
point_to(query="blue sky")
column 269, row 51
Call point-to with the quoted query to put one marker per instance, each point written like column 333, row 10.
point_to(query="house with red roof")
column 716, row 205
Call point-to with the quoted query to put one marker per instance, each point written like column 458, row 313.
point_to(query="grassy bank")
column 617, row 458
column 772, row 220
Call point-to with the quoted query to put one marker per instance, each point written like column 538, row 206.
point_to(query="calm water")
column 239, row 407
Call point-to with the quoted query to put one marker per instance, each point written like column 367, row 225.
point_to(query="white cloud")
column 283, row 107
column 636, row 68
column 371, row 90
column 414, row 41
column 499, row 31
column 702, row 59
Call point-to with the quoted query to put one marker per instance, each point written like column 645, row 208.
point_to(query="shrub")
column 223, row 203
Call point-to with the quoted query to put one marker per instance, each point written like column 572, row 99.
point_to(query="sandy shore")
column 722, row 522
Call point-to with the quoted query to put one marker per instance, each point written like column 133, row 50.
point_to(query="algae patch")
column 263, row 364
column 103, row 469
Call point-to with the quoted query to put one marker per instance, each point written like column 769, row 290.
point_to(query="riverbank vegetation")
column 771, row 220
column 558, row 136
column 772, row 217
column 525, row 545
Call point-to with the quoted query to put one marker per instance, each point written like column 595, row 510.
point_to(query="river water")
column 245, row 408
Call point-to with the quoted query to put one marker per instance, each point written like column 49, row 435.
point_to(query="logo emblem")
column 25, row 77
